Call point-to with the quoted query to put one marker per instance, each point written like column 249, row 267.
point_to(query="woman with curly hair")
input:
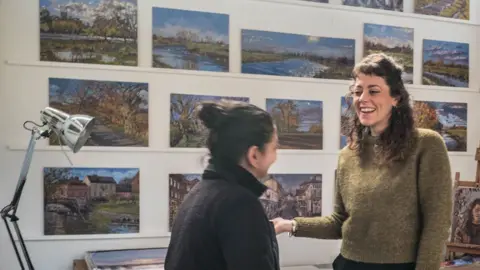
column 394, row 189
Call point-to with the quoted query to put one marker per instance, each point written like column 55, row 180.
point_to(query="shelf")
column 28, row 238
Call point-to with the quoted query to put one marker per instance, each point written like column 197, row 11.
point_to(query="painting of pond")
column 192, row 40
column 445, row 63
column 293, row 55
column 447, row 118
column 395, row 5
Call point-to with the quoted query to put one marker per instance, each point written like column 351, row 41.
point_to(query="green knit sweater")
column 399, row 214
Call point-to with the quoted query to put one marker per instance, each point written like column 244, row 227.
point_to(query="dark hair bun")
column 212, row 114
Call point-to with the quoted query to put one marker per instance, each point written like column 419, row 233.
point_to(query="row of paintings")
column 122, row 112
column 197, row 40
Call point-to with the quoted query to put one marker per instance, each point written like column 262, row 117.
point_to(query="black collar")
column 235, row 174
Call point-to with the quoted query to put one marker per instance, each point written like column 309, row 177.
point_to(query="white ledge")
column 29, row 238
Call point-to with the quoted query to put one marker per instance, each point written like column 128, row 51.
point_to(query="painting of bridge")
column 80, row 201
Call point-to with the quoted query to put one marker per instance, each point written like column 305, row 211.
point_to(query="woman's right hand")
column 282, row 225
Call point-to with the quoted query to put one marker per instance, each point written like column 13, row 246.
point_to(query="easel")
column 452, row 247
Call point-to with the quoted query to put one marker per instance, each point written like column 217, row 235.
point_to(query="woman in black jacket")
column 221, row 224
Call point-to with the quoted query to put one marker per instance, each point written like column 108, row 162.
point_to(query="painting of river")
column 293, row 55
column 93, row 32
column 179, row 186
column 445, row 63
column 394, row 41
column 299, row 123
column 447, row 118
column 394, row 5
column 79, row 201
column 192, row 40
column 120, row 109
column 457, row 9
column 345, row 114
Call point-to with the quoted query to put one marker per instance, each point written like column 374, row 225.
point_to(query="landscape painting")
column 447, row 118
column 445, row 63
column 192, row 40
column 120, row 109
column 85, row 31
column 456, row 9
column 293, row 55
column 466, row 216
column 80, row 201
column 394, row 5
column 292, row 195
column 345, row 114
column 127, row 259
column 317, row 1
column 299, row 122
column 179, row 186
column 186, row 130
column 394, row 41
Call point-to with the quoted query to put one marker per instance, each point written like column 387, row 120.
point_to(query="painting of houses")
column 299, row 122
column 179, row 186
column 345, row 114
column 91, row 200
column 456, row 9
column 90, row 32
column 447, row 118
column 293, row 195
column 186, row 130
column 395, row 5
column 120, row 109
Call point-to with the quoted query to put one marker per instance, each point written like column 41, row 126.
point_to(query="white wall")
column 24, row 91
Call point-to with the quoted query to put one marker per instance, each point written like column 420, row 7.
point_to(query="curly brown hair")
column 396, row 140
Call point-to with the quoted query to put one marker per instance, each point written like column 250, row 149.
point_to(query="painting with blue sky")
column 294, row 55
column 192, row 40
column 91, row 200
column 345, row 114
column 394, row 5
column 447, row 118
column 120, row 109
column 179, row 186
column 89, row 31
column 186, row 130
column 394, row 41
column 456, row 9
column 299, row 122
column 127, row 258
column 445, row 63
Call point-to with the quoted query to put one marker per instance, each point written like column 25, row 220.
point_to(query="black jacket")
column 221, row 225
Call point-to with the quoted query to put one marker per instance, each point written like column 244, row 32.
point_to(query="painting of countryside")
column 391, row 40
column 345, row 114
column 86, row 31
column 447, row 118
column 192, row 40
column 299, row 122
column 293, row 195
column 457, row 9
column 186, row 130
column 445, row 63
column 179, row 186
column 91, row 201
column 120, row 109
column 293, row 55
column 395, row 5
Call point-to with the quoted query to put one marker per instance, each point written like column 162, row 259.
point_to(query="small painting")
column 293, row 55
column 394, row 41
column 456, row 9
column 91, row 32
column 120, row 109
column 192, row 40
column 299, row 122
column 466, row 216
column 447, row 118
column 345, row 114
column 186, row 130
column 394, row 5
column 179, row 186
column 293, row 195
column 316, row 1
column 127, row 259
column 445, row 63
column 80, row 201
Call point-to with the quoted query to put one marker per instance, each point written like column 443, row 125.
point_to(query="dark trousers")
column 342, row 263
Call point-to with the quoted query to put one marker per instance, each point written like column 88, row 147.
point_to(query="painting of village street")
column 299, row 122
column 395, row 5
column 293, row 195
column 345, row 114
column 85, row 31
column 120, row 109
column 293, row 55
column 91, row 201
column 394, row 41
column 457, row 9
column 447, row 118
column 445, row 63
column 186, row 130
column 192, row 40
column 179, row 186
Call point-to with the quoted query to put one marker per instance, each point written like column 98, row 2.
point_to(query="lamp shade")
column 72, row 130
